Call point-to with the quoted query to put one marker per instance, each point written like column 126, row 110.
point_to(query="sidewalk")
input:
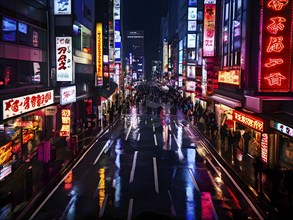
column 32, row 178
column 242, row 166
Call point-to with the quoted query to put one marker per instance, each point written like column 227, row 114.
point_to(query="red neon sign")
column 65, row 118
column 275, row 71
column 249, row 120
column 264, row 145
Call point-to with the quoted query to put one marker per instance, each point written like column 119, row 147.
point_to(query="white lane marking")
column 145, row 122
column 153, row 128
column 130, row 209
column 172, row 207
column 133, row 167
column 101, row 134
column 138, row 137
column 170, row 140
column 193, row 179
column 129, row 129
column 102, row 210
column 156, row 175
column 155, row 139
column 98, row 157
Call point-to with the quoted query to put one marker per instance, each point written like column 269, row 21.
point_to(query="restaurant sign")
column 248, row 120
column 19, row 105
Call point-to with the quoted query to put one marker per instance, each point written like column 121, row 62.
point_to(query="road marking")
column 172, row 207
column 155, row 139
column 98, row 157
column 133, row 167
column 156, row 175
column 102, row 210
column 138, row 137
column 130, row 209
column 129, row 129
column 193, row 180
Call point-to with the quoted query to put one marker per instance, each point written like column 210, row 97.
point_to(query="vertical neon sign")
column 274, row 74
column 209, row 30
column 99, row 54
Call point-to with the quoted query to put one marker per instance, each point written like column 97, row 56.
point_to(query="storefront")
column 284, row 136
column 256, row 140
column 24, row 127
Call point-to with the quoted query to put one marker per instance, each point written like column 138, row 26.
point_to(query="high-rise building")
column 134, row 52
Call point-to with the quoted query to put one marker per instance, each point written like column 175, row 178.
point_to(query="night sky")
column 146, row 15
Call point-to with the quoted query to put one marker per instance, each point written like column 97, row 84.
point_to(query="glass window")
column 23, row 34
column 25, row 75
column 9, row 27
column 8, row 73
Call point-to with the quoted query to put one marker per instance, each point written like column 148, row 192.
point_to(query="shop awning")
column 107, row 91
column 233, row 103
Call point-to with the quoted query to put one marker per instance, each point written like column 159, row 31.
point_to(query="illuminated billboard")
column 23, row 104
column 275, row 63
column 209, row 30
column 192, row 13
column 191, row 40
column 229, row 77
column 64, row 58
column 99, row 54
column 62, row 7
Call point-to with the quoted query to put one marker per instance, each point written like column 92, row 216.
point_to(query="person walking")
column 246, row 136
column 257, row 165
column 223, row 133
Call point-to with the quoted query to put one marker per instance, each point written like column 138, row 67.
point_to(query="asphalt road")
column 147, row 166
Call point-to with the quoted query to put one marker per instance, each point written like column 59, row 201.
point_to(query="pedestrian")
column 257, row 165
column 247, row 137
column 231, row 139
column 223, row 133
column 288, row 184
column 214, row 130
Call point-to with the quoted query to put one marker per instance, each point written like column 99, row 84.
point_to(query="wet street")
column 147, row 166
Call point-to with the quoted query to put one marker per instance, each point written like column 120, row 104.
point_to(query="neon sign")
column 209, row 30
column 229, row 77
column 65, row 118
column 264, row 144
column 282, row 128
column 19, row 105
column 277, row 4
column 275, row 61
column 248, row 120
column 99, row 54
